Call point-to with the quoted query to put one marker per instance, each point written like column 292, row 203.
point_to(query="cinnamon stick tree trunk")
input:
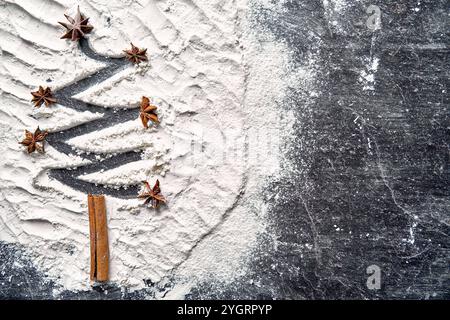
column 99, row 238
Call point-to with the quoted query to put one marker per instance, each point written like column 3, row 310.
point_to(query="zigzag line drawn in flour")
column 111, row 116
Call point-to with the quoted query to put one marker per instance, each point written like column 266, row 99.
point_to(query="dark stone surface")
column 373, row 163
column 19, row 279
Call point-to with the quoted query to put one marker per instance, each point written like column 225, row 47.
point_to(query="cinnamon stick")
column 99, row 238
column 92, row 233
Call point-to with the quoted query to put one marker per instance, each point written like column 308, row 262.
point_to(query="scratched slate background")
column 371, row 162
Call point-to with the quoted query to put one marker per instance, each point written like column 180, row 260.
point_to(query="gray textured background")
column 380, row 191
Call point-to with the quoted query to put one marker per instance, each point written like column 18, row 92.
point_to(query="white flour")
column 216, row 88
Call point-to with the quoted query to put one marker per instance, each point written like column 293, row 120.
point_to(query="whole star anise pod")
column 147, row 112
column 77, row 27
column 31, row 140
column 152, row 195
column 136, row 55
column 43, row 96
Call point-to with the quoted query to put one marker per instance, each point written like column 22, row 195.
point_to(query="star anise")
column 77, row 27
column 152, row 195
column 136, row 55
column 147, row 112
column 31, row 140
column 43, row 96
